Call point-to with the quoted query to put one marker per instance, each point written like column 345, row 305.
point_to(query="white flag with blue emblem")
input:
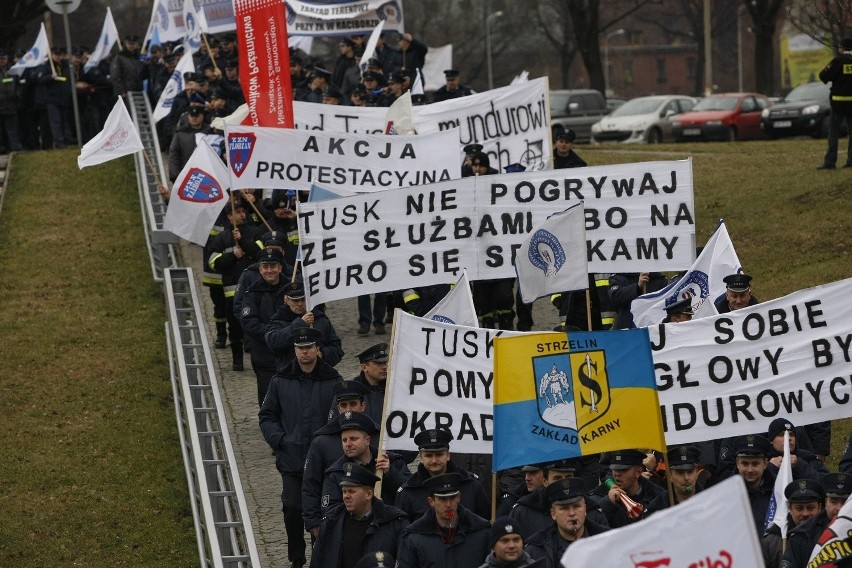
column 702, row 282
column 194, row 23
column 108, row 38
column 457, row 306
column 553, row 258
column 118, row 138
column 174, row 87
column 776, row 513
column 36, row 55
column 198, row 196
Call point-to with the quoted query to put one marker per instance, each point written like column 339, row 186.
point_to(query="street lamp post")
column 488, row 22
column 618, row 32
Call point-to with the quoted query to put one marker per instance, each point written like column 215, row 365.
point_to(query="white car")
column 643, row 119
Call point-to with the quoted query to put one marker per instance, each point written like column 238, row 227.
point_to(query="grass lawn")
column 92, row 472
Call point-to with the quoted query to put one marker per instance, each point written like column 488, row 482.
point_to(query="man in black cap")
column 230, row 83
column 274, row 240
column 374, row 375
column 534, row 478
column 317, row 84
column 737, row 294
column 469, row 151
column 568, row 508
column 260, row 303
column 564, row 155
column 332, row 95
column 435, row 460
column 507, row 545
column 296, row 406
column 447, row 534
column 751, row 461
column 679, row 312
column 326, row 449
column 356, row 436
column 283, row 220
column 184, row 140
column 398, row 83
column 53, row 93
column 453, row 89
column 126, row 70
column 805, row 499
column 803, row 463
column 360, row 524
column 345, row 60
column 627, row 467
column 683, row 463
column 802, row 538
column 837, row 73
column 292, row 318
column 480, row 164
column 624, row 287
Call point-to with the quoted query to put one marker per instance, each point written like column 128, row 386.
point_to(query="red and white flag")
column 265, row 62
column 713, row 528
column 400, row 118
column 198, row 195
column 118, row 138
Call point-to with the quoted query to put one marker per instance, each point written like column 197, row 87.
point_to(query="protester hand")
column 308, row 318
column 614, row 494
column 644, row 278
column 314, row 532
column 238, row 252
column 163, row 191
column 383, row 463
column 237, row 235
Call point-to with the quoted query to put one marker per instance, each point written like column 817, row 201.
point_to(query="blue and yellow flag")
column 559, row 397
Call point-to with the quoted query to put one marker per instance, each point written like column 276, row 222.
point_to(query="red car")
column 724, row 116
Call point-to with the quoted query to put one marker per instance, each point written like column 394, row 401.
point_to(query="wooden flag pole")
column 213, row 59
column 256, row 210
column 153, row 169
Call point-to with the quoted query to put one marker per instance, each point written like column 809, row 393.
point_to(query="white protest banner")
column 118, row 138
column 511, row 123
column 273, row 158
column 713, row 529
column 457, row 306
column 639, row 217
column 437, row 60
column 167, row 16
column 702, row 283
column 173, row 87
column 733, row 373
column 342, row 18
column 440, row 376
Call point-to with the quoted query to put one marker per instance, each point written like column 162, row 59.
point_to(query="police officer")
column 627, row 468
column 447, row 534
column 737, row 294
column 751, row 461
column 126, row 70
column 683, row 463
column 434, row 446
column 626, row 287
column 534, row 478
column 839, row 73
column 356, row 436
column 453, row 89
column 805, row 499
column 326, row 449
column 469, row 151
column 568, row 507
column 373, row 376
column 802, row 538
column 564, row 155
column 804, row 463
column 679, row 312
column 307, row 385
column 360, row 524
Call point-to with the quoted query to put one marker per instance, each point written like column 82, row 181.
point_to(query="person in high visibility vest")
column 839, row 73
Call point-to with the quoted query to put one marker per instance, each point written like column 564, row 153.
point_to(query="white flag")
column 553, row 258
column 37, row 54
column 417, row 86
column 194, row 24
column 457, row 306
column 118, row 138
column 108, row 38
column 702, row 282
column 174, row 87
column 198, row 196
column 835, row 543
column 713, row 528
column 776, row 513
column 370, row 47
column 522, row 78
column 399, row 118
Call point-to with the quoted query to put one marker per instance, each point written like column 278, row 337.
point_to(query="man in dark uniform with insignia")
column 534, row 478
column 737, row 294
column 507, row 545
column 295, row 407
column 446, row 535
column 356, row 436
column 374, row 376
column 680, row 311
column 361, row 524
column 326, row 449
column 838, row 72
column 802, row 538
column 453, row 89
column 683, row 465
column 805, row 499
column 469, row 152
column 568, row 506
column 434, row 446
column 751, row 461
column 627, row 467
column 564, row 155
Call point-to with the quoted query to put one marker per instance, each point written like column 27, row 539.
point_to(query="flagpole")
column 296, row 263
column 256, row 210
column 382, row 427
column 588, row 310
column 213, row 59
column 151, row 165
column 493, row 496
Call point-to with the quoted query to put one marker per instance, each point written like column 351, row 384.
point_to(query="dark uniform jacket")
column 249, row 277
column 549, row 545
column 624, row 288
column 807, row 465
column 423, row 547
column 841, row 81
column 384, row 533
column 223, row 260
column 126, row 72
column 326, row 448
column 282, row 327
column 570, row 160
column 758, row 498
column 616, row 514
column 801, row 540
column 294, row 408
column 392, row 480
column 50, row 91
column 182, row 147
column 723, row 307
column 260, row 303
column 443, row 94
column 533, row 512
column 411, row 497
column 510, row 497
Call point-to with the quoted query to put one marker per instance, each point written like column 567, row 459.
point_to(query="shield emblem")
column 200, row 187
column 240, row 148
column 555, row 394
column 591, row 386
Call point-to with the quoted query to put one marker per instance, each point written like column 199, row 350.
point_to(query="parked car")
column 577, row 109
column 805, row 110
column 724, row 116
column 643, row 119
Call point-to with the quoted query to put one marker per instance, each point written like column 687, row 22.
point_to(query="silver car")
column 643, row 119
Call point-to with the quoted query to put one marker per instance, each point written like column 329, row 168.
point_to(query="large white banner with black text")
column 639, row 217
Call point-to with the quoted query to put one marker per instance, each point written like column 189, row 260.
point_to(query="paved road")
column 259, row 477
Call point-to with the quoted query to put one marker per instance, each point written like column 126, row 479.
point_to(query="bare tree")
column 18, row 16
column 764, row 15
column 554, row 23
column 825, row 22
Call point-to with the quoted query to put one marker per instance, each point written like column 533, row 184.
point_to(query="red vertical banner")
column 265, row 62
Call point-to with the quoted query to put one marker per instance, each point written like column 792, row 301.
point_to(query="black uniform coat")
column 384, row 533
column 391, row 480
column 422, row 547
column 801, row 540
column 549, row 545
column 411, row 497
column 261, row 301
column 294, row 408
column 616, row 514
column 279, row 338
column 624, row 288
column 326, row 448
